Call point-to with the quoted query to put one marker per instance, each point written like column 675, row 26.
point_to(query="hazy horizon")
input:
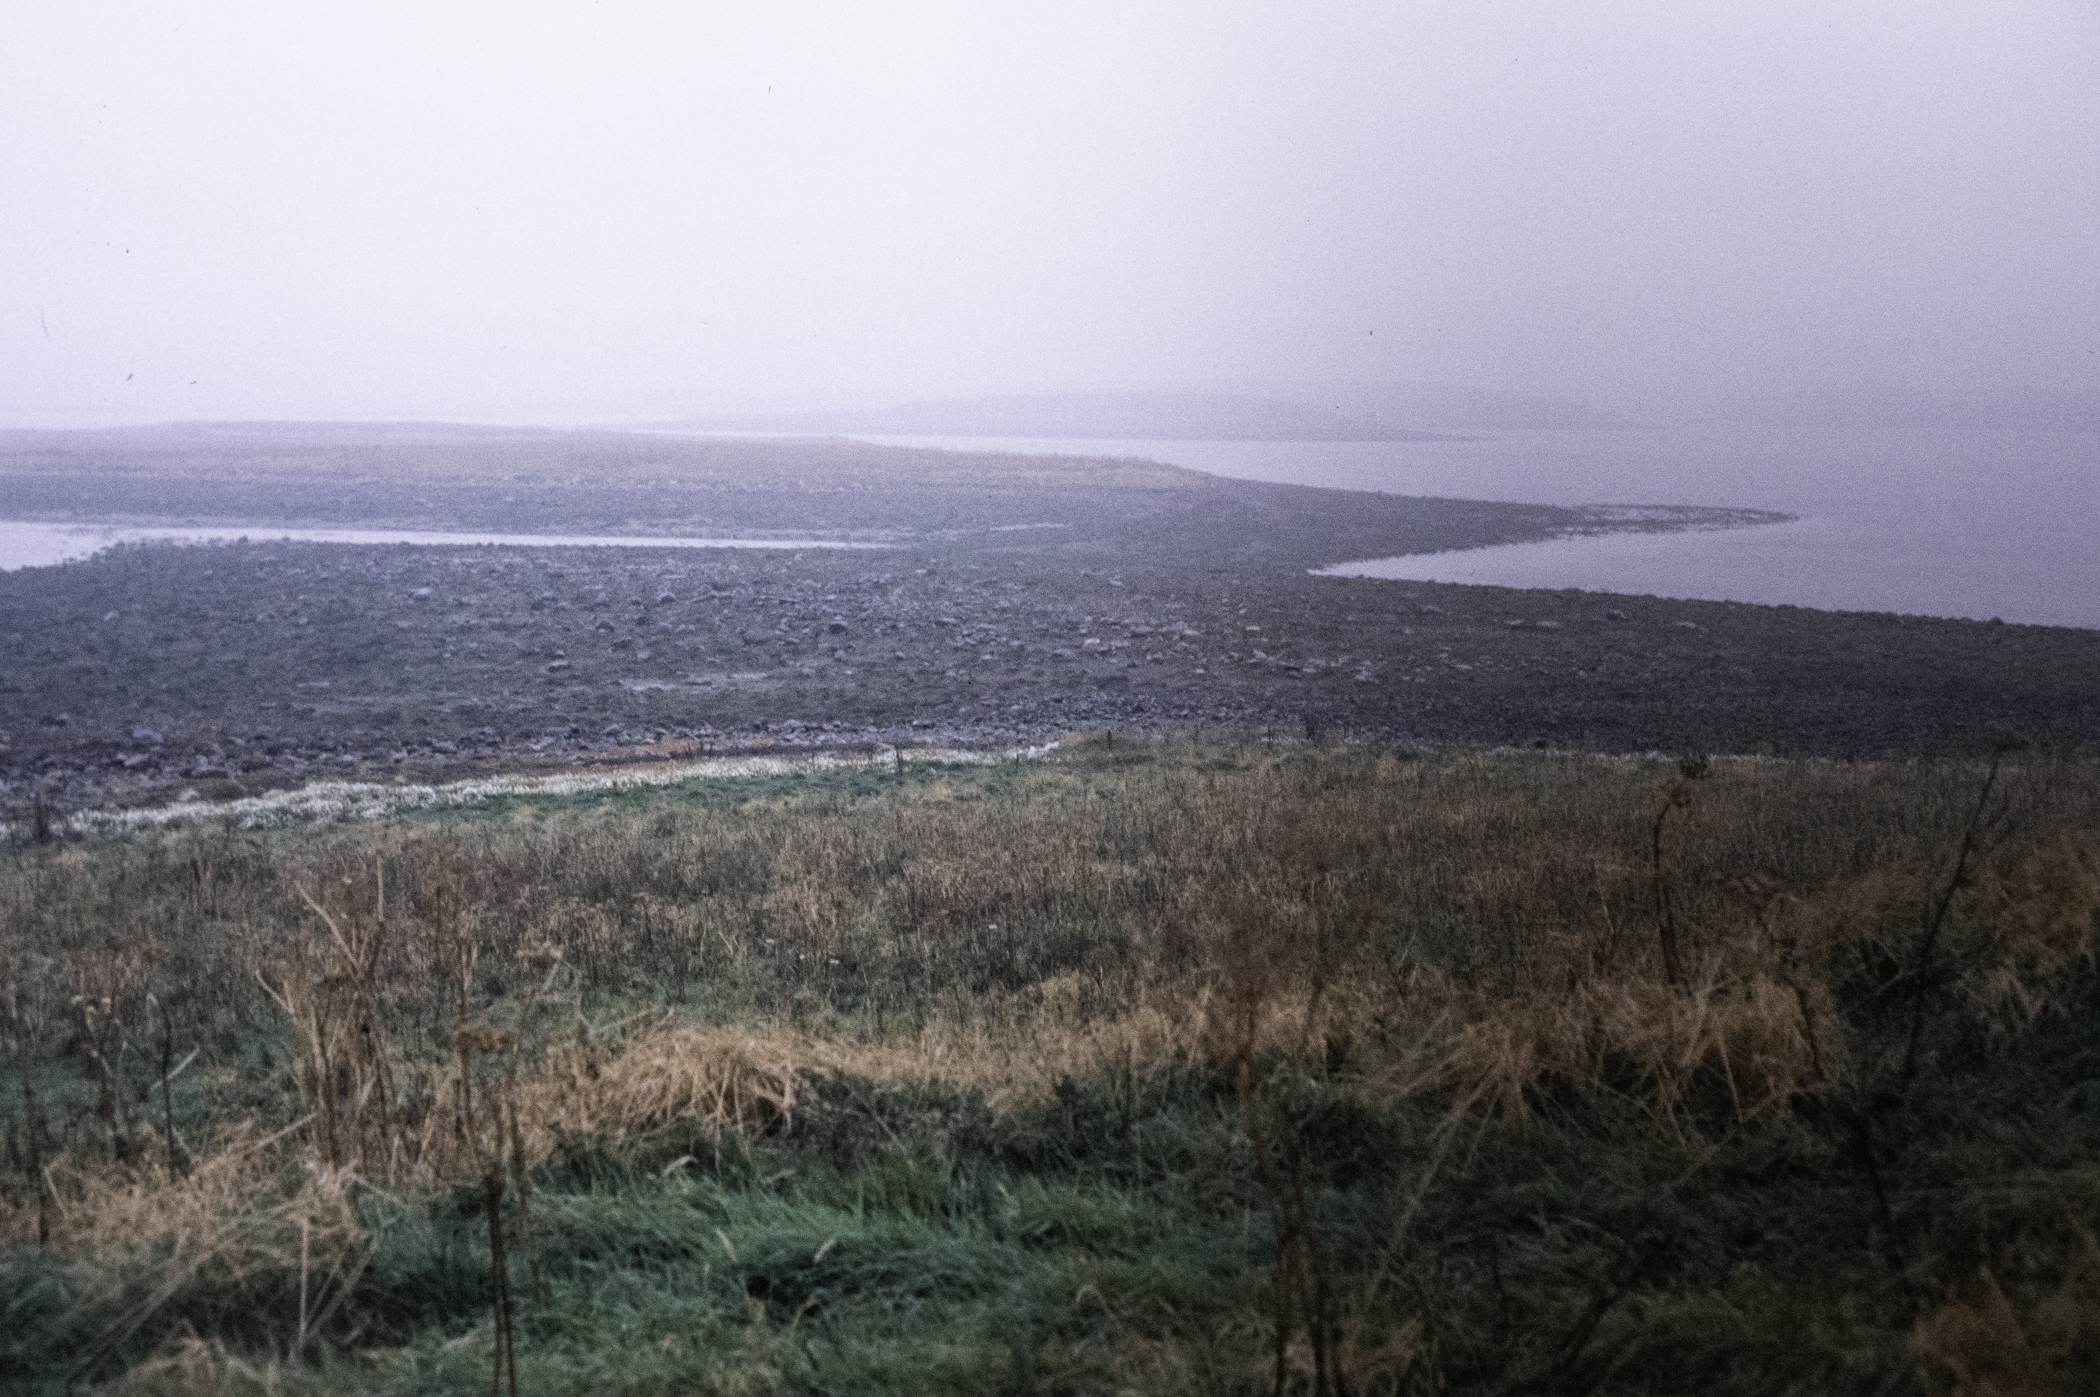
column 647, row 212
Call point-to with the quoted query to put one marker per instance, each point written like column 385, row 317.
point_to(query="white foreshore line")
column 82, row 541
column 371, row 800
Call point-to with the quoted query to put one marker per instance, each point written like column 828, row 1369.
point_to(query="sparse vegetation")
column 1162, row 1066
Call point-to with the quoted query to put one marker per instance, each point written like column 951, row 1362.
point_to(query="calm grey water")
column 1935, row 523
column 30, row 545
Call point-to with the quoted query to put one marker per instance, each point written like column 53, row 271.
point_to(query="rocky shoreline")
column 1174, row 602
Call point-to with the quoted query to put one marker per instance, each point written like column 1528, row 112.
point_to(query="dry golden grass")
column 1754, row 1034
column 1481, row 936
column 1480, row 927
column 720, row 1079
column 753, row 1080
column 228, row 1225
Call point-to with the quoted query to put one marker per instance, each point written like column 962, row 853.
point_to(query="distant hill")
column 313, row 453
column 1943, row 409
column 1132, row 416
column 174, row 434
column 1442, row 407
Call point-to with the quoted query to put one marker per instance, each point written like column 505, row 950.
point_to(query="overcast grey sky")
column 575, row 212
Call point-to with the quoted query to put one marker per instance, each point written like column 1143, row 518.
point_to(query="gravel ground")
column 1175, row 601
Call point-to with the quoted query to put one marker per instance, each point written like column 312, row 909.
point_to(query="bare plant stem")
column 1605, row 1294
column 106, row 1043
column 1665, row 911
column 1676, row 796
column 1921, row 973
column 33, row 1123
column 178, row 1158
column 521, row 1183
column 499, row 1270
column 1301, row 1276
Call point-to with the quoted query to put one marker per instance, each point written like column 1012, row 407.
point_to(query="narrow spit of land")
column 1019, row 597
column 1150, row 1067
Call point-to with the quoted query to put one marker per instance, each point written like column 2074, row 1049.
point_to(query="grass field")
column 1159, row 1065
